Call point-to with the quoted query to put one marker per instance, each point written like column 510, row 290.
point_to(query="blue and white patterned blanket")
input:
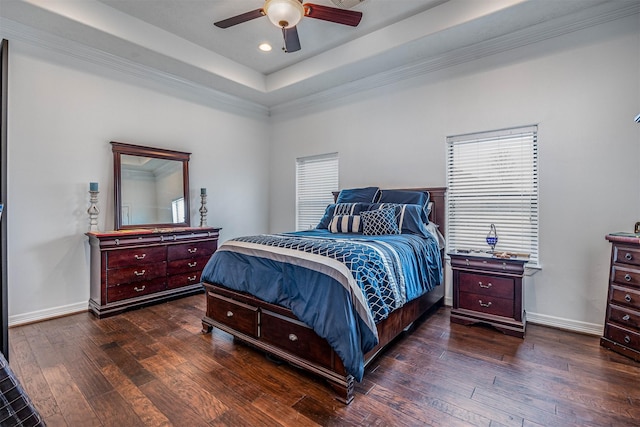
column 339, row 284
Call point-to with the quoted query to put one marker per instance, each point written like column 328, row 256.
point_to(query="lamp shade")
column 284, row 13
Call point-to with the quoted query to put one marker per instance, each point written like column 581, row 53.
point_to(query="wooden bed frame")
column 278, row 332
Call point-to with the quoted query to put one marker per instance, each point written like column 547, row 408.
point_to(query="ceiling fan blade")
column 291, row 39
column 332, row 14
column 239, row 19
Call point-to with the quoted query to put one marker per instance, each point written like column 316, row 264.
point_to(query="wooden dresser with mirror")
column 153, row 254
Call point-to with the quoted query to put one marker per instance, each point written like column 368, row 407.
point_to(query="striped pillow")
column 345, row 224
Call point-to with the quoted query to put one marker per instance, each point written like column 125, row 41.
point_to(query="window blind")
column 492, row 178
column 316, row 179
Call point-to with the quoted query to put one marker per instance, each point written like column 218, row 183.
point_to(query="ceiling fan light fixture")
column 284, row 13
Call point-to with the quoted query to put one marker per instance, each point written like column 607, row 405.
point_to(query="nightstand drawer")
column 239, row 316
column 487, row 304
column 623, row 316
column 625, row 296
column 623, row 336
column 626, row 255
column 484, row 284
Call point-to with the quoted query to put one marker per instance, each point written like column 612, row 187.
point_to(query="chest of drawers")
column 130, row 269
column 622, row 322
column 488, row 290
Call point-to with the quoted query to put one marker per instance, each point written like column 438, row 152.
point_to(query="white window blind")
column 492, row 178
column 316, row 179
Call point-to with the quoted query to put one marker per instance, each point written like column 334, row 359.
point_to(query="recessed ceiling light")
column 265, row 47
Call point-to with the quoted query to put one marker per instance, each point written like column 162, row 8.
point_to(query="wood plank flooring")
column 153, row 367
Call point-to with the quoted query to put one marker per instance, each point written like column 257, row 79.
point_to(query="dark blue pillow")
column 408, row 197
column 355, row 195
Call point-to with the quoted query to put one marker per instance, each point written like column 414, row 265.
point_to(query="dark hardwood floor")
column 153, row 367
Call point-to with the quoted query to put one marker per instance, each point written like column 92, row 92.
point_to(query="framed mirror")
column 151, row 187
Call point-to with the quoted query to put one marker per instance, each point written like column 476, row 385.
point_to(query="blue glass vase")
column 492, row 237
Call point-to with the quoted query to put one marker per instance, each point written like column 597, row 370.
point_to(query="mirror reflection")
column 151, row 191
column 151, row 187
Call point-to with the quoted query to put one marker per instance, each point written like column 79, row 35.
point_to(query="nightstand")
column 488, row 290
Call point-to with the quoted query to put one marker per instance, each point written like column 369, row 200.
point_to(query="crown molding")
column 12, row 30
column 528, row 36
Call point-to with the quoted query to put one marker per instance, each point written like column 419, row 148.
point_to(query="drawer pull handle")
column 192, row 264
column 483, row 304
column 627, row 339
column 293, row 337
column 625, row 317
column 136, row 256
column 192, row 278
column 137, row 289
column 627, row 298
column 487, row 286
column 628, row 256
column 139, row 273
column 627, row 277
column 229, row 313
column 192, row 250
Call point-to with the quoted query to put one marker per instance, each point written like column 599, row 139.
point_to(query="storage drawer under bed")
column 241, row 317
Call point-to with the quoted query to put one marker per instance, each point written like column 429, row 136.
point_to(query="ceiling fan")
column 286, row 14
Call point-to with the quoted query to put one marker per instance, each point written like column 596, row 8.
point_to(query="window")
column 492, row 178
column 177, row 210
column 316, row 179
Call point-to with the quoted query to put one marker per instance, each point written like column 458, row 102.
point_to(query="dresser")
column 622, row 322
column 488, row 290
column 133, row 268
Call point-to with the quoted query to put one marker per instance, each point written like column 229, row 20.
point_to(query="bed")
column 329, row 300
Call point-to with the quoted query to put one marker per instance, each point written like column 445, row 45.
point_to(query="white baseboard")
column 566, row 324
column 50, row 313
column 556, row 322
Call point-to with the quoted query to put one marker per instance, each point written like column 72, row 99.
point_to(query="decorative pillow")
column 355, row 195
column 408, row 197
column 340, row 209
column 408, row 217
column 379, row 221
column 346, row 224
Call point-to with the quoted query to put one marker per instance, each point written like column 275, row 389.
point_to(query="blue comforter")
column 341, row 285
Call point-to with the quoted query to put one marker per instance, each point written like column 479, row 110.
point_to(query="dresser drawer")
column 626, row 255
column 239, row 316
column 625, row 317
column 626, row 276
column 295, row 337
column 130, row 290
column 138, row 256
column 625, row 296
column 487, row 304
column 187, row 265
column 623, row 336
column 184, row 279
column 136, row 274
column 191, row 250
column 484, row 284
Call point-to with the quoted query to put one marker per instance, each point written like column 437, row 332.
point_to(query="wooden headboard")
column 437, row 194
